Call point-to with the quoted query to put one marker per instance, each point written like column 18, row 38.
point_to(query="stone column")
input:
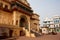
column 14, row 22
column 28, row 31
column 37, row 27
column 29, row 25
column 3, row 5
column 14, row 18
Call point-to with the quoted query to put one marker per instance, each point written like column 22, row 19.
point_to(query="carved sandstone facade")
column 17, row 17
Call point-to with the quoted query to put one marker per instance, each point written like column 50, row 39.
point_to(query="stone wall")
column 5, row 18
column 16, row 18
column 35, row 22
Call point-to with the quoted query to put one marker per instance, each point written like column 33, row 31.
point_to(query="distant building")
column 45, row 30
column 56, row 20
column 53, row 23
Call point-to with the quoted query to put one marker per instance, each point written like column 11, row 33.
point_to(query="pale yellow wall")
column 5, row 3
column 17, row 16
column 35, row 23
column 5, row 17
column 35, row 16
column 11, row 18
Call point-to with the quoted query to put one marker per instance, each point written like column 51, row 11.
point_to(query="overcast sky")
column 45, row 8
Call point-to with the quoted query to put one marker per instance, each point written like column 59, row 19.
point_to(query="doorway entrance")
column 23, row 24
column 22, row 33
column 10, row 33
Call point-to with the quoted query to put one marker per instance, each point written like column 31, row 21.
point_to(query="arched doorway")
column 23, row 24
column 10, row 33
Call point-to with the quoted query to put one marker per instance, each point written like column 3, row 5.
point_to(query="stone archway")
column 23, row 24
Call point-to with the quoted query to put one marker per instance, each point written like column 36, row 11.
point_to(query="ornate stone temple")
column 17, row 19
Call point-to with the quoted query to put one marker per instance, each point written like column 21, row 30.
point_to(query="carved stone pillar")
column 14, row 18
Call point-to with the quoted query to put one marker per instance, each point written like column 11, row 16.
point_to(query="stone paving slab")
column 43, row 37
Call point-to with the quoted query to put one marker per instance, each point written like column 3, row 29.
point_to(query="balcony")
column 21, row 7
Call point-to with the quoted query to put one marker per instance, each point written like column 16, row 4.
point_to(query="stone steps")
column 28, row 34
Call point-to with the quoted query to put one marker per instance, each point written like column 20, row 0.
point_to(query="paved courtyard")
column 43, row 37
